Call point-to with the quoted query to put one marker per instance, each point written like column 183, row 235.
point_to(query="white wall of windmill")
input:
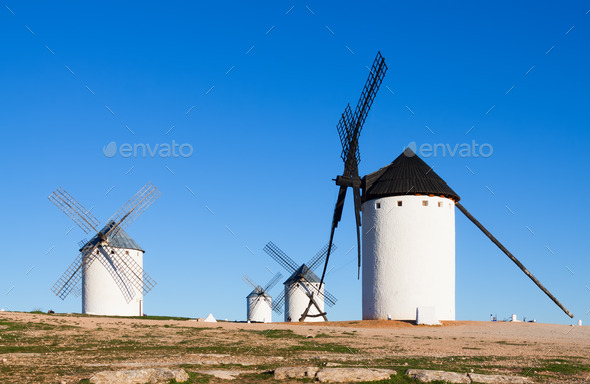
column 259, row 309
column 408, row 257
column 296, row 301
column 101, row 295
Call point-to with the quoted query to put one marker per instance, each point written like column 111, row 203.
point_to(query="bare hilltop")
column 69, row 348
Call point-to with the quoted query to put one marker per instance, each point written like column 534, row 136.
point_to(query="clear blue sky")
column 266, row 147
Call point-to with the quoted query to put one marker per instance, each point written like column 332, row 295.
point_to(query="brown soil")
column 53, row 348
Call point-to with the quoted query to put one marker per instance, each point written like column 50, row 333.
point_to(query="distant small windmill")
column 302, row 287
column 259, row 302
column 115, row 285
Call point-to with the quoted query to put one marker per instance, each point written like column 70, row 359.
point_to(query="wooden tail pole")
column 306, row 312
column 514, row 259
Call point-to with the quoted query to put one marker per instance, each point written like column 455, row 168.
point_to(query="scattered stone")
column 226, row 375
column 497, row 379
column 151, row 376
column 330, row 364
column 295, row 372
column 348, row 375
column 426, row 376
column 4, row 360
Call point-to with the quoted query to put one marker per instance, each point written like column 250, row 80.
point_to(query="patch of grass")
column 279, row 334
column 399, row 379
column 324, row 335
column 481, row 364
column 163, row 318
column 9, row 326
column 257, row 377
column 563, row 367
column 194, row 378
column 323, row 347
column 503, row 342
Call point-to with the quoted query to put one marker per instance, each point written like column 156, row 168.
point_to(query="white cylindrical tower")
column 105, row 289
column 296, row 298
column 259, row 306
column 408, row 248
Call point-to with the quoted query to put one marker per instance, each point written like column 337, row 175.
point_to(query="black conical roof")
column 120, row 240
column 407, row 175
column 304, row 273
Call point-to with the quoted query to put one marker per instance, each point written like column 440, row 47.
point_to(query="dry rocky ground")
column 40, row 348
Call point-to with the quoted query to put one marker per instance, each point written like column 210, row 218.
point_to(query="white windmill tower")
column 303, row 297
column 259, row 302
column 409, row 251
column 117, row 283
column 409, row 219
column 409, row 244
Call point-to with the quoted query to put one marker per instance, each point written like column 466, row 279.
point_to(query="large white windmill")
column 303, row 296
column 408, row 213
column 409, row 242
column 116, row 284
column 409, row 251
column 259, row 302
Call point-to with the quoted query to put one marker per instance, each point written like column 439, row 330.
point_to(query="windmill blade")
column 335, row 221
column 278, row 303
column 255, row 307
column 257, row 303
column 350, row 128
column 250, row 282
column 119, row 277
column 280, row 257
column 72, row 276
column 82, row 243
column 270, row 285
column 123, row 285
column 269, row 302
column 376, row 75
column 74, row 210
column 129, row 268
column 344, row 127
column 514, row 259
column 69, row 279
column 77, row 290
column 357, row 214
column 339, row 206
column 131, row 210
column 320, row 257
